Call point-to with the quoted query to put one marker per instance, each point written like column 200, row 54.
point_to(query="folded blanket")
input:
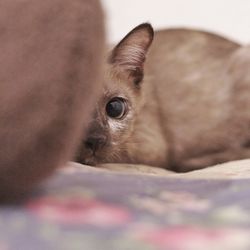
column 233, row 169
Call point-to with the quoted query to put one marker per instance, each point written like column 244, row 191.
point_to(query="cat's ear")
column 130, row 53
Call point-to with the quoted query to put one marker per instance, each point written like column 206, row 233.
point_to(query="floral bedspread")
column 87, row 209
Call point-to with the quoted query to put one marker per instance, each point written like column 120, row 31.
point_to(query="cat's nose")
column 95, row 143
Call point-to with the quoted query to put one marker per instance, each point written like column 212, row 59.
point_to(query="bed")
column 82, row 207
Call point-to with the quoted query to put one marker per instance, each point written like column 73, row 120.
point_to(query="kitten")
column 186, row 107
column 49, row 79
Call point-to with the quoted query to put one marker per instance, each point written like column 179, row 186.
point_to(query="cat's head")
column 115, row 113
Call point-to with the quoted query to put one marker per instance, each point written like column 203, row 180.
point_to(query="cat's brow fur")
column 192, row 108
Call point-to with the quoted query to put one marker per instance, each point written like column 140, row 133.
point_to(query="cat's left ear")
column 130, row 54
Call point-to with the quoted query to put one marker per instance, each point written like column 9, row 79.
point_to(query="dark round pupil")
column 115, row 108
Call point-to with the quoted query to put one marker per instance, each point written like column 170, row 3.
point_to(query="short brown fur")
column 190, row 111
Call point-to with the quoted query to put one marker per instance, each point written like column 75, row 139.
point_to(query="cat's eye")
column 116, row 108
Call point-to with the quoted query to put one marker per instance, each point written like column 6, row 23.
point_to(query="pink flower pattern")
column 79, row 211
column 193, row 237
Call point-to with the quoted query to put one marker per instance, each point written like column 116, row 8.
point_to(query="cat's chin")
column 87, row 157
column 88, row 161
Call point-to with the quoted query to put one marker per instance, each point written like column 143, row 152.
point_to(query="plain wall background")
column 226, row 17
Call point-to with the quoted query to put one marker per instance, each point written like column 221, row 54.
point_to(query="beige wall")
column 228, row 17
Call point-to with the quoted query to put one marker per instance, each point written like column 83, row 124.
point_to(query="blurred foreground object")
column 49, row 78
